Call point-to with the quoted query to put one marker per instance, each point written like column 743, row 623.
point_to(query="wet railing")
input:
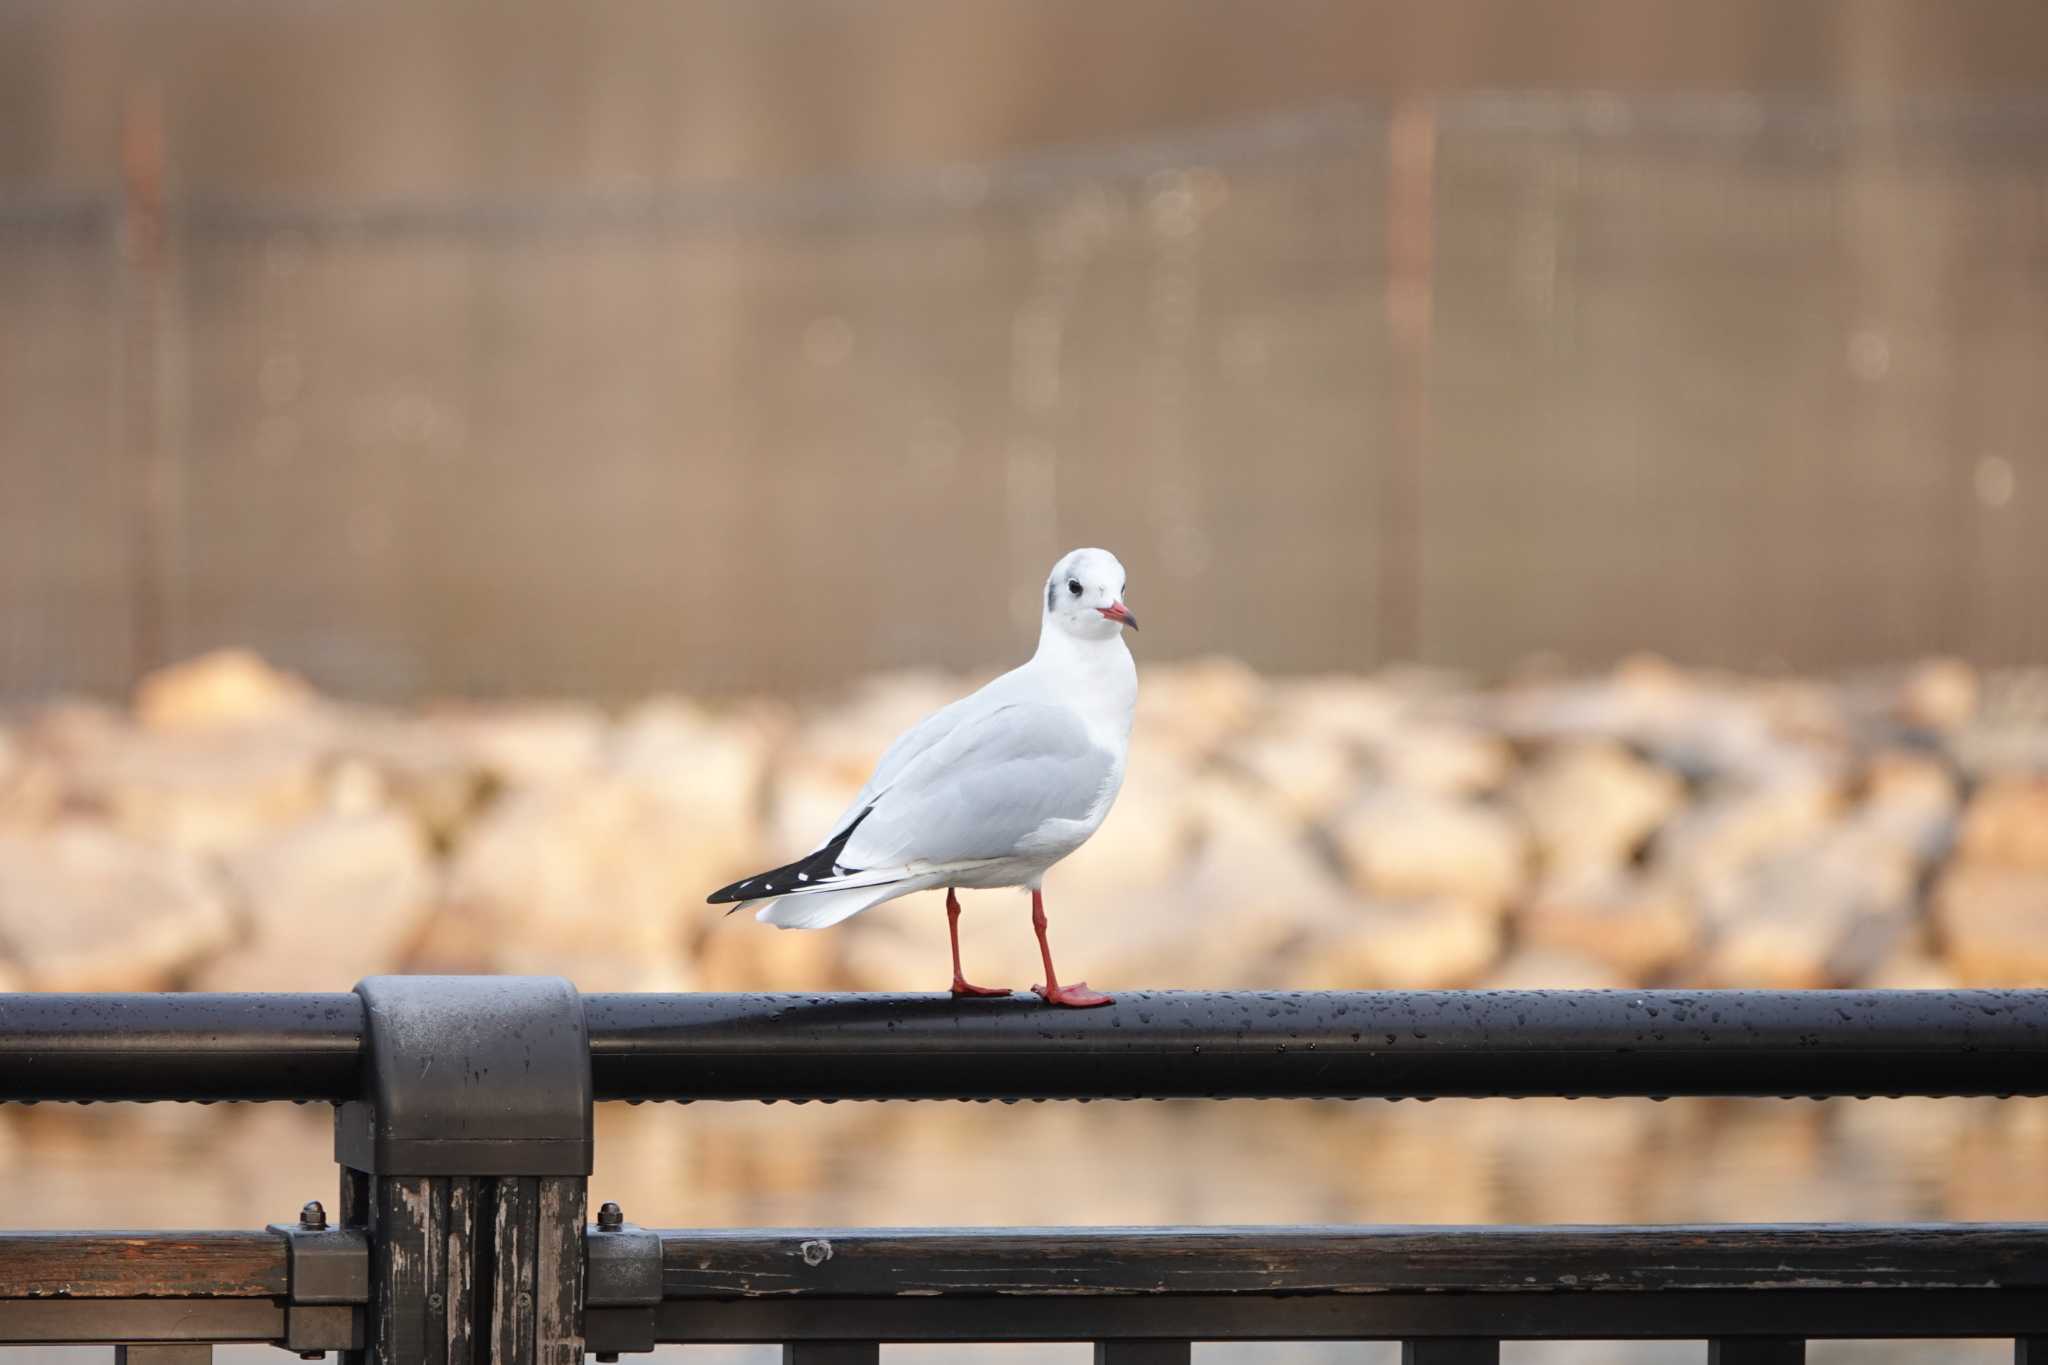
column 463, row 1131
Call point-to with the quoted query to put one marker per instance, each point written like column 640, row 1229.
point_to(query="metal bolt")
column 312, row 1355
column 610, row 1218
column 313, row 1217
column 607, row 1358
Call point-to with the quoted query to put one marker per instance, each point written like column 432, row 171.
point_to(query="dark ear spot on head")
column 1049, row 592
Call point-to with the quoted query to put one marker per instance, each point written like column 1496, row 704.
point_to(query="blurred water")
column 1446, row 1162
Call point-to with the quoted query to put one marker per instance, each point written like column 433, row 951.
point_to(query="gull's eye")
column 1074, row 586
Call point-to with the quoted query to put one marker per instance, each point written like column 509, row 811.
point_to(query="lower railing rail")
column 1144, row 1295
column 463, row 1133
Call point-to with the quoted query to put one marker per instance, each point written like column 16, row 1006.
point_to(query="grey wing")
column 919, row 740
column 983, row 789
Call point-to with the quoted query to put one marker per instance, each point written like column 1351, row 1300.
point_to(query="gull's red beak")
column 1118, row 612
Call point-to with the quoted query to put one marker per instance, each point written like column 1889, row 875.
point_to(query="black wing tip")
column 738, row 891
column 818, row 864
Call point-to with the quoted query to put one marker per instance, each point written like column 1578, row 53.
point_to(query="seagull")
column 990, row 791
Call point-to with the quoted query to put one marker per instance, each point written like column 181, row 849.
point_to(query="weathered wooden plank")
column 1070, row 1261
column 512, row 1315
column 403, row 1229
column 558, row 1271
column 459, row 1278
column 141, row 1265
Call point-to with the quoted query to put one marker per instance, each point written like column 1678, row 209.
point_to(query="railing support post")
column 466, row 1160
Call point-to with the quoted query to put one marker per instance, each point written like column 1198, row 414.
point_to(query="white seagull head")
column 1084, row 596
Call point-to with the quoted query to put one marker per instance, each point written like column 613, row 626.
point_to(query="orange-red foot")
column 1076, row 996
column 963, row 990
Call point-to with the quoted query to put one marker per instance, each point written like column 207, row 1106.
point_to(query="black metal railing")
column 463, row 1128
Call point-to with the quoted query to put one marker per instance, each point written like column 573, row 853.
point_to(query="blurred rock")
column 1257, row 888
column 1819, row 915
column 1308, row 773
column 807, row 799
column 84, row 909
column 1450, row 759
column 226, row 687
column 734, row 953
column 1910, row 804
column 1783, row 948
column 1198, row 706
column 847, row 740
column 204, row 792
column 1909, row 780
column 1909, row 968
column 1551, row 969
column 710, row 769
column 1406, row 945
column 1939, row 694
column 326, row 903
column 1802, row 712
column 525, row 744
column 1711, row 842
column 2006, row 825
column 593, row 879
column 1150, row 832
column 1591, row 804
column 414, row 766
column 1670, row 826
column 2008, row 735
column 1353, row 713
column 1407, row 845
column 1993, row 924
column 1635, row 927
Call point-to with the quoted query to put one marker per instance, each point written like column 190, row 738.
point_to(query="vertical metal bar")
column 2030, row 1351
column 472, row 1259
column 1451, row 1351
column 832, row 1353
column 353, row 1211
column 180, row 1353
column 1144, row 1352
column 1756, row 1351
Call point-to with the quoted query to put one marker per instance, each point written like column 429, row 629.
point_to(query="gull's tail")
column 821, row 909
column 815, row 891
column 818, row 867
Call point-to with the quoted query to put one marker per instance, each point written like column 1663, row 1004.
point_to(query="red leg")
column 1076, row 996
column 960, row 986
